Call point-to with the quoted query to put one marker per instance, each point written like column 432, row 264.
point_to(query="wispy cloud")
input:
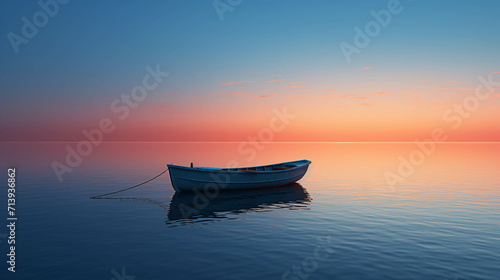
column 264, row 95
column 364, row 68
column 440, row 104
column 346, row 95
column 281, row 75
column 380, row 93
column 438, row 82
column 274, row 81
column 334, row 106
column 466, row 89
column 238, row 93
column 240, row 82
column 244, row 94
column 454, row 88
column 329, row 96
column 293, row 86
column 495, row 72
column 416, row 97
column 360, row 98
column 320, row 89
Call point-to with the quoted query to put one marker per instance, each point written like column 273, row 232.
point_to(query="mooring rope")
column 100, row 196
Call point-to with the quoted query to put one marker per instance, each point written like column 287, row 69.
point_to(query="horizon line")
column 358, row 142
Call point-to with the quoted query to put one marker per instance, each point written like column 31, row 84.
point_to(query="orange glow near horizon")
column 319, row 115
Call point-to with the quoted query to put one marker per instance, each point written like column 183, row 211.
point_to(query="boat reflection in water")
column 188, row 207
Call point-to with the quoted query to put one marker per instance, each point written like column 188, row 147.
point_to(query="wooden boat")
column 211, row 180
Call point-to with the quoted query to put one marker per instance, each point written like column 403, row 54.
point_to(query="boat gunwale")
column 226, row 170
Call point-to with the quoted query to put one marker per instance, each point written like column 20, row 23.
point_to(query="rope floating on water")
column 100, row 196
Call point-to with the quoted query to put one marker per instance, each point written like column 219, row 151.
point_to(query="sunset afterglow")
column 225, row 78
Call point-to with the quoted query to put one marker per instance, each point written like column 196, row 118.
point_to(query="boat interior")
column 273, row 167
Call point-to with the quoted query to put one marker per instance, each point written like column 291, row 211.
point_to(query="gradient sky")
column 227, row 76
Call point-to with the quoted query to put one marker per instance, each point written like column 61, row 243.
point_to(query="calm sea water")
column 342, row 221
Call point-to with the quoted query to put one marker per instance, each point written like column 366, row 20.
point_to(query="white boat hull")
column 212, row 180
